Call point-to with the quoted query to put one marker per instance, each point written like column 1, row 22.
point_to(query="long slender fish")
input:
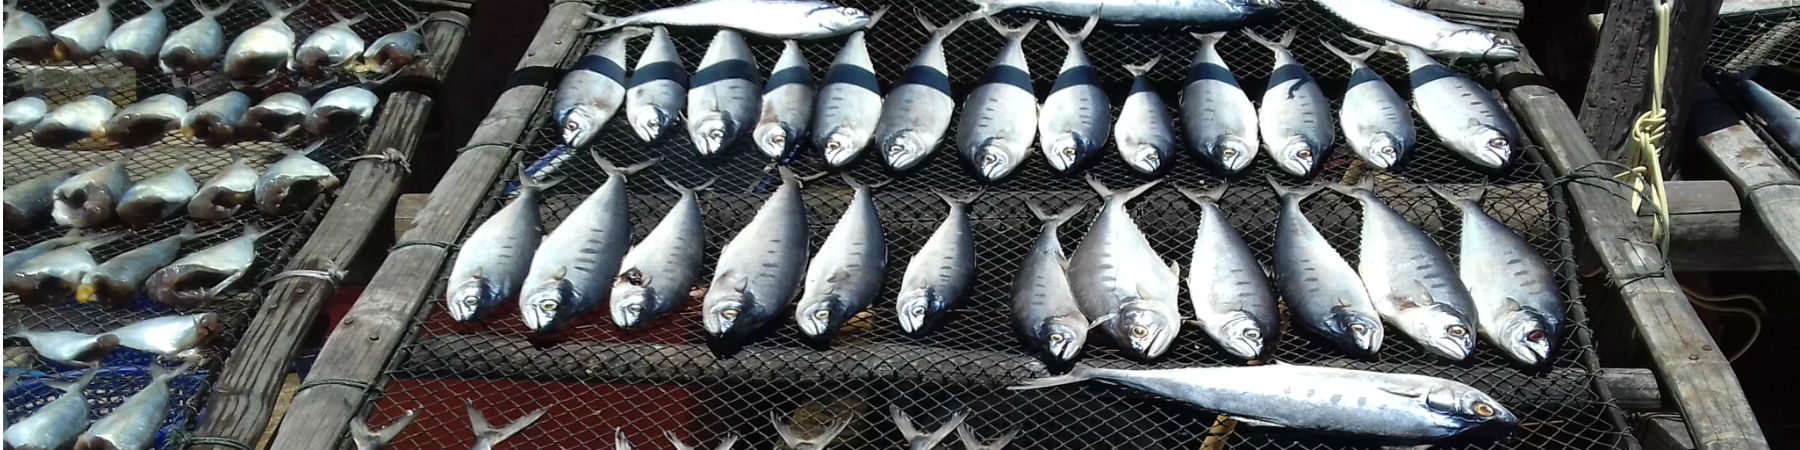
column 591, row 92
column 1462, row 113
column 1204, row 13
column 119, row 280
column 494, row 259
column 658, row 275
column 56, row 424
column 725, row 97
column 29, row 202
column 787, row 104
column 1044, row 309
column 1073, row 123
column 330, row 48
column 999, row 118
column 69, row 347
column 76, row 120
column 816, row 442
column 1406, row 25
column 1322, row 292
column 136, row 42
column 146, row 121
column 1410, row 280
column 917, row 110
column 917, row 439
column 87, row 199
column 845, row 276
column 758, row 272
column 159, row 197
column 779, row 19
column 1779, row 117
column 258, row 52
column 221, row 196
column 486, row 436
column 197, row 279
column 293, row 182
column 53, row 275
column 658, row 88
column 341, row 111
column 215, row 122
column 1399, row 408
column 1217, row 115
column 179, row 337
column 276, row 117
column 26, row 36
column 134, row 424
column 393, row 51
column 940, row 274
column 1516, row 299
column 1231, row 295
column 194, row 47
column 1374, row 117
column 1144, row 133
column 849, row 102
column 1121, row 282
column 366, row 439
column 81, row 38
column 1295, row 118
column 573, row 269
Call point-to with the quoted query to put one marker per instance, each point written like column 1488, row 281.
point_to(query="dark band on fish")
column 1210, row 71
column 1425, row 75
column 926, row 76
column 797, row 75
column 1083, row 75
column 853, row 75
column 1289, row 72
column 725, row 70
column 1363, row 75
column 658, row 71
column 1008, row 75
column 601, row 65
column 1142, row 85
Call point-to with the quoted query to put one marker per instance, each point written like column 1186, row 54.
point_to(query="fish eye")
column 1458, row 331
column 833, row 145
column 1498, row 142
column 1536, row 336
column 989, row 159
column 1229, row 152
column 1057, row 338
column 778, row 139
column 1304, row 153
column 635, row 308
column 822, row 314
column 469, row 301
column 1388, row 150
column 896, row 148
column 716, row 134
column 547, row 305
column 1502, row 41
column 729, row 314
column 651, row 123
column 1358, row 328
column 1483, row 409
column 571, row 126
column 1152, row 157
column 1253, row 334
column 1068, row 151
column 918, row 310
column 1139, row 331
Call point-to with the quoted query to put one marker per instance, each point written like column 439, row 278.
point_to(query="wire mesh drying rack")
column 1764, row 37
column 665, row 378
column 125, row 372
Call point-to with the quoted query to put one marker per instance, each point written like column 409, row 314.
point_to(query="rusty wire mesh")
column 595, row 377
column 1769, row 37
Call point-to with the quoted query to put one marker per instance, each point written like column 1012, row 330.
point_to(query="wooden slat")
column 1692, row 368
column 1699, row 197
column 1633, row 389
column 1741, row 7
column 1709, row 233
column 361, row 345
column 1753, row 167
column 1618, row 85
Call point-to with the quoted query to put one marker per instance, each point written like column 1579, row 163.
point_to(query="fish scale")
column 846, row 274
column 119, row 280
column 572, row 269
column 1410, row 281
column 135, row 43
column 1144, row 133
column 134, row 424
column 658, row 274
column 999, row 118
column 195, row 46
column 726, row 95
column 1230, row 293
column 779, row 19
column 1120, row 281
column 1412, row 26
column 1375, row 119
column 58, row 422
column 200, row 277
column 26, row 37
column 257, row 52
column 497, row 255
column 940, row 274
column 82, row 37
column 329, row 47
column 29, row 202
column 916, row 112
column 1076, row 116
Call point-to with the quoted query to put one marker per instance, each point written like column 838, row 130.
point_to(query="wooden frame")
column 1769, row 186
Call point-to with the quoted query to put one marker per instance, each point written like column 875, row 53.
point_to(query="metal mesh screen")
column 1766, row 37
column 125, row 371
column 665, row 378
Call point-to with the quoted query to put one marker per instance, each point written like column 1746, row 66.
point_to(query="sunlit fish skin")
column 845, row 276
column 276, row 117
column 341, row 111
column 1376, row 122
column 24, row 113
column 592, row 90
column 76, row 120
column 573, row 269
column 1075, row 120
column 136, row 42
column 1122, row 283
column 1232, row 299
column 258, row 52
column 1460, row 112
column 940, row 274
column 657, row 91
column 157, row 198
column 146, row 121
column 179, row 337
column 1517, row 303
column 1295, row 119
column 56, row 424
column 294, row 182
column 779, row 19
column 28, row 203
column 88, row 199
column 1410, row 280
column 215, row 122
column 1204, row 13
column 1145, row 133
column 119, row 280
column 1219, row 120
column 999, row 118
column 393, row 51
column 758, row 271
column 658, row 274
column 199, row 278
column 1413, row 27
column 26, row 36
column 849, row 103
column 81, row 38
column 917, row 110
column 328, row 49
column 1323, row 293
column 134, row 424
column 196, row 46
column 494, row 259
column 229, row 189
column 18, row 258
column 69, row 347
column 725, row 97
column 1044, row 309
column 787, row 105
column 53, row 275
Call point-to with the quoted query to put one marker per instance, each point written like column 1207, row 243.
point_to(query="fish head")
column 821, row 317
column 1243, row 336
column 1383, row 150
column 1234, row 153
column 842, row 145
column 1064, row 150
column 993, row 161
column 904, row 149
column 1487, row 147
column 1260, row 7
column 650, row 123
column 1444, row 333
column 917, row 307
column 580, row 125
column 83, row 205
column 207, row 326
column 1063, row 336
column 712, row 133
column 837, row 19
column 1298, row 157
column 776, row 139
column 1527, row 335
column 724, row 308
column 1145, row 329
column 1469, row 408
column 632, row 297
column 542, row 308
column 1355, row 330
column 1490, row 47
column 1146, row 157
column 471, row 299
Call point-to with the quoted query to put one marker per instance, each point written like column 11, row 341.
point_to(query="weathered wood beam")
column 1740, row 7
column 1710, row 231
column 1618, row 87
column 1633, row 389
column 1690, row 364
column 1771, row 188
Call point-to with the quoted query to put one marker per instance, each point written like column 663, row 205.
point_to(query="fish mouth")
column 1234, row 153
column 841, row 148
column 1148, row 160
column 650, row 127
column 1063, row 151
column 711, row 136
column 722, row 317
column 913, row 311
column 902, row 150
column 776, row 139
column 629, row 305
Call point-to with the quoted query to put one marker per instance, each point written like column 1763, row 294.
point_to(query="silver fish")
column 76, row 120
column 787, row 105
column 757, row 272
column 276, row 117
column 816, row 442
column 496, row 256
column 1780, row 118
column 1120, row 281
column 341, row 110
column 1410, row 280
column 1322, row 292
column 1220, row 121
column 69, row 347
column 28, row 203
column 940, row 274
column 591, row 92
column 53, row 275
column 17, row 258
column 258, row 52
column 1374, row 117
column 159, row 197
column 392, row 51
column 146, row 121
column 1144, row 133
column 1401, row 408
column 658, row 275
column 486, row 436
column 26, row 36
column 724, row 443
column 658, row 88
column 1516, row 299
column 1231, row 296
column 119, row 280
column 1073, row 123
column 999, row 118
column 572, row 271
column 916, row 112
column 197, row 279
column 194, row 47
column 87, row 199
column 221, row 196
column 1295, row 118
column 849, row 103
column 293, row 182
column 920, row 440
column 136, row 42
column 56, row 424
column 725, row 98
column 216, row 121
column 134, row 424
column 81, row 38
column 1462, row 113
column 779, row 19
column 845, row 276
column 24, row 113
column 1206, row 13
column 366, row 439
column 973, row 442
column 1044, row 308
column 328, row 49
column 178, row 337
column 1411, row 26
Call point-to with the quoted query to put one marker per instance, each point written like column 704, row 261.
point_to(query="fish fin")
column 1347, row 56
column 676, row 441
column 213, row 11
column 1401, row 390
column 964, row 200
column 370, row 439
column 1139, row 70
column 1076, row 375
column 1097, row 321
column 612, row 170
column 1011, row 33
column 1208, row 195
column 786, row 431
column 1282, row 190
column 875, row 17
column 485, row 432
column 904, row 423
column 1453, row 197
column 619, row 440
column 727, row 442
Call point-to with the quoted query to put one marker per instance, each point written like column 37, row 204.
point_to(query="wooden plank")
column 1721, row 242
column 1618, row 82
column 1753, row 167
column 1633, row 389
column 367, row 337
column 1699, row 197
column 406, row 212
column 1663, row 432
column 1741, row 7
column 1690, row 365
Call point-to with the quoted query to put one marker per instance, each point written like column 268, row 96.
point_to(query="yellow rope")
column 1647, row 133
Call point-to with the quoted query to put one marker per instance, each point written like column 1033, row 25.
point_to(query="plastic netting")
column 596, row 378
column 1765, row 37
column 125, row 371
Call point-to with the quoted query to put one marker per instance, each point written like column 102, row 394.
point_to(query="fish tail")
column 1208, row 195
column 290, row 10
column 213, row 11
column 619, row 440
column 614, row 170
column 351, row 20
column 964, row 200
column 156, row 5
column 690, row 190
column 485, row 432
column 1286, row 38
column 859, row 185
column 1076, row 375
column 939, row 31
column 1473, row 197
column 606, row 22
column 1281, row 190
column 1094, row 181
column 362, row 435
column 1011, row 33
column 1390, row 47
column 875, row 17
column 1138, row 70
column 79, row 383
column 162, row 374
column 1212, row 38
column 1075, row 38
column 1364, row 183
column 1350, row 57
column 1053, row 220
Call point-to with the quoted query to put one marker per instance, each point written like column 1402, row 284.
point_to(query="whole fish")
column 1374, row 117
column 658, row 88
column 495, row 257
column 973, row 442
column 817, row 442
column 779, row 19
column 1410, row 26
column 293, row 182
column 215, row 122
column 940, row 274
column 724, row 443
column 1144, row 133
column 366, row 439
column 56, row 424
column 917, row 110
column 1391, row 407
column 1220, row 121
column 328, row 49
column 197, row 279
column 658, row 274
column 88, row 199
column 1120, row 281
column 392, row 51
column 1516, row 299
column 486, row 436
column 276, row 117
column 1231, row 296
column 1462, row 113
column 849, row 102
column 341, row 110
column 134, row 424
column 136, row 42
column 1044, row 309
column 1410, row 280
column 757, row 272
column 26, row 36
column 221, row 196
column 787, row 105
column 53, row 275
column 1295, row 117
column 146, row 121
column 591, row 92
column 24, row 113
column 1780, row 118
column 178, row 337
column 999, row 118
column 921, row 440
column 1322, row 292
column 845, row 276
column 81, row 38
column 159, row 197
column 17, row 258
column 258, row 52
column 69, row 347
column 119, row 280
column 76, row 120
column 29, row 202
column 571, row 272
column 1204, row 13
column 1073, row 124
column 724, row 99
column 194, row 47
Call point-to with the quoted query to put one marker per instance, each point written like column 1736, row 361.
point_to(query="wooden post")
column 1771, row 188
column 369, row 335
column 1618, row 85
column 1693, row 370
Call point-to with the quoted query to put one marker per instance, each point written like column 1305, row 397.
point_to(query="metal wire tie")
column 390, row 156
column 511, row 145
column 330, row 275
column 1754, row 187
column 213, row 440
column 405, row 244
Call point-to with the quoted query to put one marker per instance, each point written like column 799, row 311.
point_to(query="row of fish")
column 176, row 337
column 224, row 119
column 253, row 57
column 94, row 197
column 65, row 267
column 132, row 425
